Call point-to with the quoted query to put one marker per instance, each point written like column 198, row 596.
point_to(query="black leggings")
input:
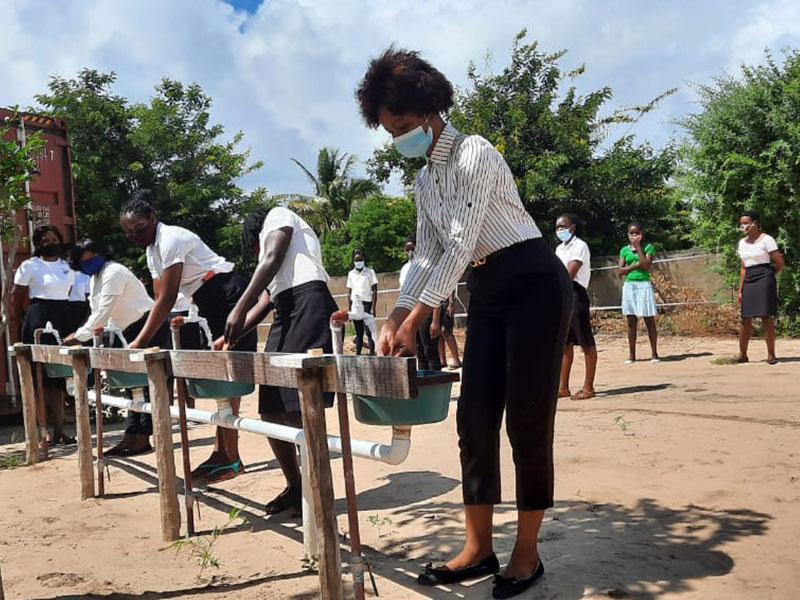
column 359, row 325
column 517, row 323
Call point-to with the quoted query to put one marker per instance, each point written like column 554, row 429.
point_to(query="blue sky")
column 284, row 71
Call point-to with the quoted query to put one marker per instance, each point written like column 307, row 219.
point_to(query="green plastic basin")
column 121, row 379
column 430, row 406
column 55, row 370
column 214, row 388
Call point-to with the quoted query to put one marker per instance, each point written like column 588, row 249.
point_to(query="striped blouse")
column 468, row 206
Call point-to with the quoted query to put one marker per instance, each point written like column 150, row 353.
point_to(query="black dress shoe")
column 443, row 575
column 507, row 587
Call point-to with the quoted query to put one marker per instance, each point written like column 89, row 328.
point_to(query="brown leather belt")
column 496, row 254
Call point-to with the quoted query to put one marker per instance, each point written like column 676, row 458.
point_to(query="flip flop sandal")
column 65, row 440
column 136, row 451
column 224, row 472
column 584, row 395
column 204, row 469
column 287, row 499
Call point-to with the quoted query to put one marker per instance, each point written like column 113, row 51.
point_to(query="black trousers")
column 359, row 325
column 427, row 348
column 517, row 324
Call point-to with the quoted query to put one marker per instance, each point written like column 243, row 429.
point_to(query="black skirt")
column 215, row 300
column 759, row 292
column 302, row 322
column 580, row 327
column 40, row 312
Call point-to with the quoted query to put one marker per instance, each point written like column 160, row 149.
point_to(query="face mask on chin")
column 415, row 143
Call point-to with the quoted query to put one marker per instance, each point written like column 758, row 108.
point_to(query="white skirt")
column 638, row 299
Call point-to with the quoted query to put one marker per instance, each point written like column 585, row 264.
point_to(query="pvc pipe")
column 393, row 454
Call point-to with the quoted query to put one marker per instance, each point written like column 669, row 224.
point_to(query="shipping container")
column 52, row 202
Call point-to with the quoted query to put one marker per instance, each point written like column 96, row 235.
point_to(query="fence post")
column 80, row 368
column 162, row 438
column 309, row 383
column 25, row 369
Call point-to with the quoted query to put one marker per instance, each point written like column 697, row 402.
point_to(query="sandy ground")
column 679, row 481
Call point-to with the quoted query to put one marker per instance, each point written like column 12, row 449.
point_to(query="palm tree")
column 336, row 193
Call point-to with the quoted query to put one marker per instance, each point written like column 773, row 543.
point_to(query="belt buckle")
column 478, row 263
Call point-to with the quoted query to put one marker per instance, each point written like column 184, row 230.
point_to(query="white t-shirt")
column 115, row 293
column 577, row 249
column 175, row 245
column 303, row 260
column 47, row 280
column 360, row 284
column 403, row 273
column 757, row 253
column 80, row 287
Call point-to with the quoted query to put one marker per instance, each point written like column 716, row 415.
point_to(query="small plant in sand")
column 622, row 424
column 11, row 460
column 379, row 522
column 725, row 360
column 201, row 548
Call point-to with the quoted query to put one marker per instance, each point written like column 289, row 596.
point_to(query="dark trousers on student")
column 359, row 325
column 427, row 348
column 517, row 323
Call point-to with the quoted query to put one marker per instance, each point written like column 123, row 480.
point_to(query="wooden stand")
column 80, row 366
column 25, row 368
column 162, row 438
column 98, row 418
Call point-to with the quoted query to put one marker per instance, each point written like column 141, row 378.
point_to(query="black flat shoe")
column 442, row 575
column 288, row 498
column 508, row 587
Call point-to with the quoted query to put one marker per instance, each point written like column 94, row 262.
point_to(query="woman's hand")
column 739, row 298
column 220, row 344
column 404, row 342
column 386, row 338
column 137, row 343
column 436, row 330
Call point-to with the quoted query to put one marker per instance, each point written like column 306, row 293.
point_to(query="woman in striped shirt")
column 469, row 214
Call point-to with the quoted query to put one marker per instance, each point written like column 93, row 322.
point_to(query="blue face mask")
column 564, row 235
column 359, row 264
column 415, row 143
column 93, row 265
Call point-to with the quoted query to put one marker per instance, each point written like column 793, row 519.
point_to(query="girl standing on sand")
column 469, row 214
column 638, row 298
column 758, row 289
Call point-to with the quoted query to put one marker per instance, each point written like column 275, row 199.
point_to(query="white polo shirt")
column 577, row 249
column 175, row 245
column 360, row 284
column 46, row 280
column 303, row 260
column 115, row 293
column 80, row 287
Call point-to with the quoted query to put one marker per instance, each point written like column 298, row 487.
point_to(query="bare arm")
column 742, row 272
column 167, row 293
column 573, row 267
column 777, row 261
column 374, row 299
column 18, row 299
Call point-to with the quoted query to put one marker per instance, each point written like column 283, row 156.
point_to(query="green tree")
column 379, row 227
column 336, row 191
column 18, row 168
column 556, row 143
column 744, row 153
column 167, row 144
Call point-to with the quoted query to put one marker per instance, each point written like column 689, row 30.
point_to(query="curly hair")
column 88, row 245
column 38, row 236
column 402, row 82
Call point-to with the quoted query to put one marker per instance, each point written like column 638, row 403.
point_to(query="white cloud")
column 285, row 75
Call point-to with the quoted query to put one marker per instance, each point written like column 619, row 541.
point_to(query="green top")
column 631, row 256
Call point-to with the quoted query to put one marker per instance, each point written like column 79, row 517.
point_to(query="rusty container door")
column 52, row 202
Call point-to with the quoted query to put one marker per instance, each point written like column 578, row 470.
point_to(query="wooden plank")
column 165, row 456
column 24, row 367
column 368, row 375
column 80, row 367
column 116, row 359
column 97, row 335
column 50, row 354
column 301, row 361
column 312, row 408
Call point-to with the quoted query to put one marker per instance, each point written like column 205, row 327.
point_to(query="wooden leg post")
column 80, row 366
column 24, row 367
column 312, row 406
column 165, row 456
column 2, row 593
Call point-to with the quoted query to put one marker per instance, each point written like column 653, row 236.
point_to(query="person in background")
column 42, row 285
column 469, row 214
column 117, row 294
column 428, row 358
column 442, row 331
column 363, row 285
column 758, row 289
column 638, row 298
column 179, row 261
column 289, row 277
column 575, row 255
column 78, row 297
